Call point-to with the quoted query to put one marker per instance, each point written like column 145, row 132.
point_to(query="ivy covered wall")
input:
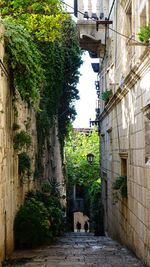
column 38, row 80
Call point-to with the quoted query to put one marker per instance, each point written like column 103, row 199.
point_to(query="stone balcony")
column 91, row 39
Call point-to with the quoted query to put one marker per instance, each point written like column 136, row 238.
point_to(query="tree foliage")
column 79, row 171
column 77, row 147
column 44, row 18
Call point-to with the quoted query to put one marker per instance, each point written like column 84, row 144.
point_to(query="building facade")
column 124, row 120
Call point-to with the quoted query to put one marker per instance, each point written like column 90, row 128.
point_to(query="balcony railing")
column 88, row 12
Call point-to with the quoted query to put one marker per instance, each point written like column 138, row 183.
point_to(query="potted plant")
column 106, row 96
column 144, row 34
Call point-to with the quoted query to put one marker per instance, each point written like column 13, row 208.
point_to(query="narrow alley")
column 78, row 249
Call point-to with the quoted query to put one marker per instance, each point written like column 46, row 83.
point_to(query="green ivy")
column 22, row 139
column 24, row 61
column 120, row 187
column 16, row 126
column 24, row 164
column 60, row 60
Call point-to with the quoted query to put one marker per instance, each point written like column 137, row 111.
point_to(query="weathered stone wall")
column 12, row 191
column 12, row 188
column 125, row 131
column 52, row 163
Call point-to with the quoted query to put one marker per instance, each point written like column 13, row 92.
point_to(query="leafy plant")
column 16, row 126
column 31, row 225
column 24, row 61
column 95, row 191
column 44, row 18
column 120, row 187
column 24, row 163
column 77, row 147
column 106, row 94
column 27, row 123
column 144, row 34
column 79, row 171
column 60, row 60
column 38, row 221
column 22, row 139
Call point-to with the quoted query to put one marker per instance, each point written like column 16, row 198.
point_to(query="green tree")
column 44, row 18
column 77, row 147
column 79, row 171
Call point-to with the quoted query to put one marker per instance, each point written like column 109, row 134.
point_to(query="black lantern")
column 90, row 158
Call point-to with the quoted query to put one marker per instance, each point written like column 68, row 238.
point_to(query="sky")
column 85, row 106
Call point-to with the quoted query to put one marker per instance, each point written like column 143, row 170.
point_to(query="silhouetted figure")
column 78, row 226
column 86, row 226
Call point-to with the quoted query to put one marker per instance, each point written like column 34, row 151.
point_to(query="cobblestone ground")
column 78, row 249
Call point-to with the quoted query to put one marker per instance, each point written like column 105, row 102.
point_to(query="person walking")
column 86, row 226
column 78, row 226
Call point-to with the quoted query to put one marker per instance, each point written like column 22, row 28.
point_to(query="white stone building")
column 124, row 120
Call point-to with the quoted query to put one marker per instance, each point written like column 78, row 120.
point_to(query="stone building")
column 12, row 188
column 110, row 33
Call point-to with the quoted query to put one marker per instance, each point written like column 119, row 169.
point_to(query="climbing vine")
column 24, row 61
column 43, row 56
column 60, row 61
column 21, row 140
column 120, row 188
column 24, row 164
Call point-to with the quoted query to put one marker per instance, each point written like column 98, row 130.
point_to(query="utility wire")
column 127, row 37
column 111, row 9
column 121, row 34
column 71, row 7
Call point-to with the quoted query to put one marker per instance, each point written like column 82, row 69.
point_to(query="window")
column 124, row 167
column 124, row 157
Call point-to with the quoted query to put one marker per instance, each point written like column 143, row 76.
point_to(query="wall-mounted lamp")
column 90, row 158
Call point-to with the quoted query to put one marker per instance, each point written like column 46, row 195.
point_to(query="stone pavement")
column 76, row 250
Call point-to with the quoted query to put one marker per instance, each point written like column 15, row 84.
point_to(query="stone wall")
column 125, row 130
column 12, row 188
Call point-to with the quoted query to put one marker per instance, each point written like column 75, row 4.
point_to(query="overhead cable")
column 111, row 9
column 71, row 7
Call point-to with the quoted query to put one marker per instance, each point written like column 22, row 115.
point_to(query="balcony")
column 91, row 39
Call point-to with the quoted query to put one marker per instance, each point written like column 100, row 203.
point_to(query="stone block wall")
column 12, row 191
column 129, row 219
column 125, row 133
